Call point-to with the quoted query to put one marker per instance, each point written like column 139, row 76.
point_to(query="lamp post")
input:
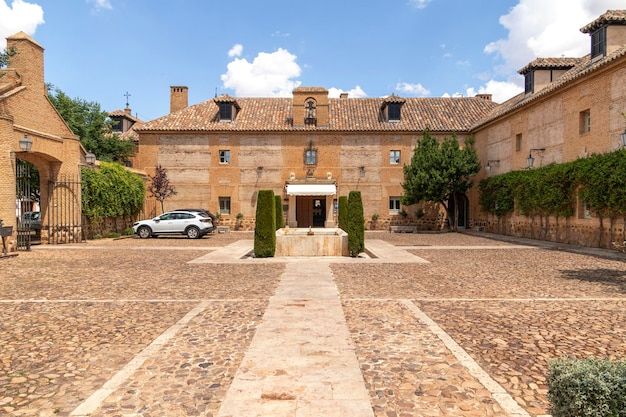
column 25, row 143
column 530, row 160
column 90, row 158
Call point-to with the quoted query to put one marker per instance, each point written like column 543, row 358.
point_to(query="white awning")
column 311, row 189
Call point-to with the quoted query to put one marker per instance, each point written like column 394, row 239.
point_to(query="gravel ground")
column 73, row 316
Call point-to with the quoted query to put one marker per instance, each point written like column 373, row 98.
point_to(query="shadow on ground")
column 613, row 277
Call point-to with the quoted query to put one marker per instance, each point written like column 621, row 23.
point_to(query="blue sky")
column 98, row 50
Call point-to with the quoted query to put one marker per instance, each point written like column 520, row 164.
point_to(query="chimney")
column 343, row 95
column 484, row 96
column 178, row 98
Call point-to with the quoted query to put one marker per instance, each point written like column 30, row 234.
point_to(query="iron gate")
column 65, row 211
column 27, row 232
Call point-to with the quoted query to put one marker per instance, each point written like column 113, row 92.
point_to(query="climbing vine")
column 111, row 191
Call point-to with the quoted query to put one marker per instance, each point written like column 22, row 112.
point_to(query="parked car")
column 193, row 224
column 32, row 220
column 211, row 215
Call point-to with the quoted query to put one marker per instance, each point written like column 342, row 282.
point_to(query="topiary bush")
column 280, row 219
column 356, row 224
column 265, row 227
column 342, row 215
column 587, row 388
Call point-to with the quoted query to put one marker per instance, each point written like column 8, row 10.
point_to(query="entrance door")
column 311, row 211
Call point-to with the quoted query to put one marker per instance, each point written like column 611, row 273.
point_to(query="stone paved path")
column 434, row 325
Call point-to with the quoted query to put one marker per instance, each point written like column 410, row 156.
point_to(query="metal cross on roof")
column 127, row 94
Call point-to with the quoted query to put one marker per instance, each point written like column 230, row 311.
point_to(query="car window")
column 186, row 216
column 205, row 215
column 166, row 216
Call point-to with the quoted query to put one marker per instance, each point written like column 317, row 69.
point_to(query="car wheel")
column 144, row 232
column 193, row 232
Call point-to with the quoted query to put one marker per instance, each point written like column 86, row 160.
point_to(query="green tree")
column 5, row 57
column 356, row 224
column 93, row 126
column 280, row 220
column 265, row 227
column 439, row 172
column 160, row 187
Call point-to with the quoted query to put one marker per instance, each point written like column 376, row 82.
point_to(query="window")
column 224, row 205
column 310, row 156
column 226, row 112
column 225, row 157
column 394, row 157
column 393, row 112
column 394, row 205
column 598, row 42
column 529, row 81
column 585, row 121
column 518, row 142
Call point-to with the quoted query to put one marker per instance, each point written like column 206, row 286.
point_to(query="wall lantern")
column 530, row 160
column 492, row 163
column 25, row 143
column 90, row 158
column 362, row 171
column 623, row 138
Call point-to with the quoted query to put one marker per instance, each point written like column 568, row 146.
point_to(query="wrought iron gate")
column 65, row 223
column 27, row 231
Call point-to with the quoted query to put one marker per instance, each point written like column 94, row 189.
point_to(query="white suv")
column 194, row 225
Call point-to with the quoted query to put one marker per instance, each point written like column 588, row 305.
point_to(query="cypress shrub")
column 356, row 224
column 342, row 216
column 265, row 227
column 280, row 220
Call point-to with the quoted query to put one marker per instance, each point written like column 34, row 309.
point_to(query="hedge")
column 356, row 224
column 265, row 228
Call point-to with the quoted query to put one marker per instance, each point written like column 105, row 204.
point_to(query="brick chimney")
column 178, row 98
column 484, row 96
column 28, row 61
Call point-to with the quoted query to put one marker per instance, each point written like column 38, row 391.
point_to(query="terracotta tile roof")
column 352, row 114
column 583, row 67
column 550, row 63
column 123, row 113
column 611, row 16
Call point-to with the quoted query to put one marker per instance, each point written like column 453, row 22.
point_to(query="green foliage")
column 439, row 170
column 111, row 191
column 280, row 219
column 5, row 57
column 342, row 215
column 265, row 228
column 93, row 126
column 356, row 224
column 587, row 388
column 128, row 231
column 160, row 187
column 551, row 190
column 113, row 235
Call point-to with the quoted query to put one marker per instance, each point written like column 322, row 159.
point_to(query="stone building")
column 571, row 108
column 28, row 120
column 310, row 148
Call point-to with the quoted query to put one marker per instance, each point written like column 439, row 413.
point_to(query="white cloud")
column 540, row 29
column 356, row 92
column 100, row 5
column 268, row 75
column 500, row 90
column 20, row 16
column 413, row 89
column 235, row 50
column 420, row 4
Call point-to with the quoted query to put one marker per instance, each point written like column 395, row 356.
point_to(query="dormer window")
column 226, row 112
column 598, row 42
column 228, row 108
column 392, row 108
column 393, row 112
column 529, row 82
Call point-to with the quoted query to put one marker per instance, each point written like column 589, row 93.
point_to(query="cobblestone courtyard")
column 71, row 317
